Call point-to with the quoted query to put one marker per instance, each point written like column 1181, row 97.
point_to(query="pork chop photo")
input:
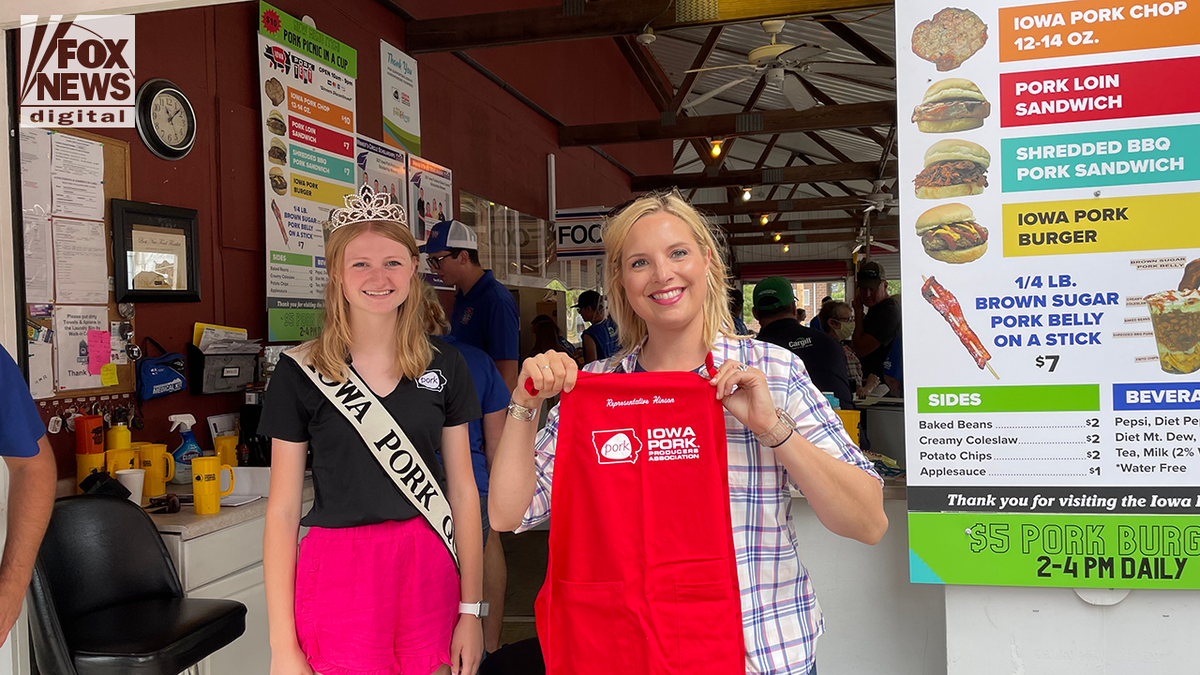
column 949, row 38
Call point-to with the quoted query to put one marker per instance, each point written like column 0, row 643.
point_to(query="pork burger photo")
column 949, row 233
column 953, row 168
column 953, row 104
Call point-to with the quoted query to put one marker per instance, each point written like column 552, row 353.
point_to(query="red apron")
column 642, row 576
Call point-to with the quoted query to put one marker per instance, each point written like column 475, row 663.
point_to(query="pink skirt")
column 376, row 599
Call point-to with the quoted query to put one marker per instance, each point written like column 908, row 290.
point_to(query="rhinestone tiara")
column 364, row 206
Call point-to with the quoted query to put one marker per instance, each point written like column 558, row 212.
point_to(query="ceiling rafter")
column 814, row 173
column 847, row 34
column 689, row 80
column 861, row 115
column 578, row 21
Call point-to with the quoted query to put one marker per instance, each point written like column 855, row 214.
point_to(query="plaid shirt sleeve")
column 543, row 463
column 819, row 424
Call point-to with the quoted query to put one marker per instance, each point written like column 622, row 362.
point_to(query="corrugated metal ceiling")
column 675, row 51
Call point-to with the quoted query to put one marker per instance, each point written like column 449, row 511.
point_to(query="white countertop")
column 189, row 525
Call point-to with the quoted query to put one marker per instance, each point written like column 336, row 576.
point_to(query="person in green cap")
column 775, row 308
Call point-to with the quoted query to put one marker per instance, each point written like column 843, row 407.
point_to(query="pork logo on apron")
column 617, row 446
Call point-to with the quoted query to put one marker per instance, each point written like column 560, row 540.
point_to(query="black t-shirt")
column 350, row 486
column 882, row 323
column 823, row 356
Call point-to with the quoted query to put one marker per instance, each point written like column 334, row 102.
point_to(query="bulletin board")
column 116, row 185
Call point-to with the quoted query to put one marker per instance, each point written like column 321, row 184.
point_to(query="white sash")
column 388, row 444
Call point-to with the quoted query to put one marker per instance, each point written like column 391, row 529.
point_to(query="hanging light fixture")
column 778, row 236
column 786, row 248
column 746, row 195
column 764, row 219
column 716, row 147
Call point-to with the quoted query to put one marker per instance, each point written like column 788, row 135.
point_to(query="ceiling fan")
column 878, row 200
column 782, row 64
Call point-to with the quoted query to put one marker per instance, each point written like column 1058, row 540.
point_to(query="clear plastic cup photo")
column 1175, row 316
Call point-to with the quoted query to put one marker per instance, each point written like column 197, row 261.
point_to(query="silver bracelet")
column 520, row 412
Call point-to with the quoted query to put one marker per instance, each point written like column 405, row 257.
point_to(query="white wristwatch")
column 475, row 609
column 782, row 430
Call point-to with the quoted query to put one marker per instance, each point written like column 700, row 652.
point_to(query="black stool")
column 105, row 598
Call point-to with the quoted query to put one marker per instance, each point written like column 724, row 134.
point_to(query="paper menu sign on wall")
column 307, row 91
column 401, row 99
column 1050, row 214
column 383, row 168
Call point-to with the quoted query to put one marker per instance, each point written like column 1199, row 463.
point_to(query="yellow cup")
column 159, row 467
column 85, row 465
column 125, row 458
column 225, row 448
column 206, row 484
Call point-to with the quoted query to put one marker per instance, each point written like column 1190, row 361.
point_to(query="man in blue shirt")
column 600, row 339
column 31, row 476
column 485, row 435
column 485, row 313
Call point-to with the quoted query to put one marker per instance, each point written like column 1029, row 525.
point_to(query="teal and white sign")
column 1102, row 158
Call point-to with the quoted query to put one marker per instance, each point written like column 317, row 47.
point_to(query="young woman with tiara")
column 380, row 585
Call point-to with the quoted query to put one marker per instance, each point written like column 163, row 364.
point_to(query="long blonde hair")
column 631, row 329
column 330, row 350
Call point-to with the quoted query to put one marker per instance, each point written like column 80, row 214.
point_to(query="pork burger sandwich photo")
column 953, row 168
column 953, row 104
column 949, row 233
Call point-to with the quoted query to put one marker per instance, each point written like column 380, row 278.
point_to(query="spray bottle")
column 188, row 450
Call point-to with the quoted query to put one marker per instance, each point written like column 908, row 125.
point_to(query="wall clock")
column 165, row 119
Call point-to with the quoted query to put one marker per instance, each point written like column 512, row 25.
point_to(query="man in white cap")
column 485, row 313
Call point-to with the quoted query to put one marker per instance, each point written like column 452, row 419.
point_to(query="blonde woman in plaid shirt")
column 667, row 292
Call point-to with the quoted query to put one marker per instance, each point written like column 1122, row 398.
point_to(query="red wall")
column 496, row 146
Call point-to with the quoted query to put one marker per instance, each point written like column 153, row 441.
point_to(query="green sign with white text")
column 1051, row 549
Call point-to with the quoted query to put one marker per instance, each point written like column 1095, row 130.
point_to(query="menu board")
column 1050, row 243
column 307, row 91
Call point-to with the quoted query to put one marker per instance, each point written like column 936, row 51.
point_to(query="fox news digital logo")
column 78, row 72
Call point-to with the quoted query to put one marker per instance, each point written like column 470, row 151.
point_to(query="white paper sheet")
column 118, row 355
column 35, row 171
column 71, row 326
column 77, row 157
column 41, row 370
column 77, row 197
column 80, row 262
column 39, row 259
column 212, row 334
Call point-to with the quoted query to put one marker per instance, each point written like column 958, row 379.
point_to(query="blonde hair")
column 331, row 348
column 631, row 329
column 435, row 321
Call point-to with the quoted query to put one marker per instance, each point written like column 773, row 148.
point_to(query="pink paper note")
column 99, row 350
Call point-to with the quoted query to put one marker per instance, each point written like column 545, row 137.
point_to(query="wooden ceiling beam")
column 889, row 236
column 689, row 80
column 604, row 19
column 635, row 55
column 817, row 173
column 810, row 225
column 847, row 34
column 828, row 100
column 875, row 113
column 781, row 205
column 750, row 103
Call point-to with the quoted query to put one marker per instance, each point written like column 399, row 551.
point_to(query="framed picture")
column 155, row 255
